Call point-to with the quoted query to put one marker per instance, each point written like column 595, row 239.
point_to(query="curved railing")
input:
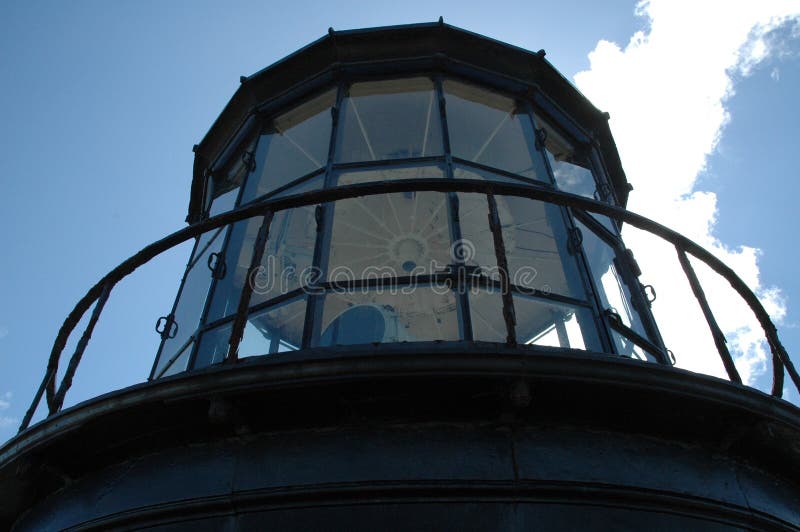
column 100, row 292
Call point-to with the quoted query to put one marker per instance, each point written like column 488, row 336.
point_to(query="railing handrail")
column 100, row 291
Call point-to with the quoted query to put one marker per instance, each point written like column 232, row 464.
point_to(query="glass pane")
column 613, row 291
column 294, row 144
column 489, row 128
column 477, row 249
column 462, row 171
column 607, row 222
column 274, row 330
column 287, row 257
column 213, row 346
column 192, row 298
column 535, row 239
column 626, row 347
column 385, row 315
column 177, row 363
column 390, row 173
column 390, row 119
column 309, row 184
column 548, row 323
column 533, row 236
column 398, row 234
column 225, row 202
column 288, row 254
column 225, row 182
column 227, row 290
column 486, row 312
column 571, row 168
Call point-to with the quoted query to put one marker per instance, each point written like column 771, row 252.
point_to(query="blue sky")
column 102, row 102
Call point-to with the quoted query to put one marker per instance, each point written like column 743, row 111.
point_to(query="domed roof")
column 430, row 47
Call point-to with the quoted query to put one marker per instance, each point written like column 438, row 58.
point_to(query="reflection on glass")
column 287, row 258
column 478, row 249
column 551, row 324
column 213, row 346
column 225, row 296
column 389, row 119
column 486, row 312
column 613, row 290
column 536, row 247
column 292, row 145
column 384, row 315
column 314, row 182
column 571, row 167
column 288, row 254
column 399, row 234
column 490, row 129
column 223, row 185
column 533, row 237
column 224, row 203
column 191, row 301
column 273, row 330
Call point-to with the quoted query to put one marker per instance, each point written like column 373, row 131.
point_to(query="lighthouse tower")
column 409, row 306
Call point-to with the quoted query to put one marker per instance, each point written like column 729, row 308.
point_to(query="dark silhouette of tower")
column 409, row 306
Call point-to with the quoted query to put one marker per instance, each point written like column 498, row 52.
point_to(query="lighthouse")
column 409, row 305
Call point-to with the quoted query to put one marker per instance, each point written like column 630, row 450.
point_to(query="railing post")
column 237, row 330
column 509, row 315
column 47, row 388
column 777, row 371
column 72, row 367
column 716, row 332
column 48, row 376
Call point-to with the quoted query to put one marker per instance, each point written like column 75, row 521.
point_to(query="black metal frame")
column 100, row 291
column 534, row 101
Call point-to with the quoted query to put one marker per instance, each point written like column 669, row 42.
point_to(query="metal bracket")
column 541, row 138
column 318, row 217
column 167, row 327
column 216, row 263
column 602, row 192
column 574, row 240
column 613, row 315
column 649, row 293
column 635, row 269
column 249, row 160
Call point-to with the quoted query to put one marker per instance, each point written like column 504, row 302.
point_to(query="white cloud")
column 666, row 91
column 3, row 332
column 5, row 404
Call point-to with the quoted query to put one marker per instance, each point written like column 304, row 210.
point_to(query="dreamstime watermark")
column 462, row 274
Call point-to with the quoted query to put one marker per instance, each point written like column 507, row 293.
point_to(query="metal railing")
column 100, row 292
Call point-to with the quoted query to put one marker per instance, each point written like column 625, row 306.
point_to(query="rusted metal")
column 542, row 193
column 237, row 330
column 777, row 374
column 72, row 367
column 716, row 332
column 509, row 316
